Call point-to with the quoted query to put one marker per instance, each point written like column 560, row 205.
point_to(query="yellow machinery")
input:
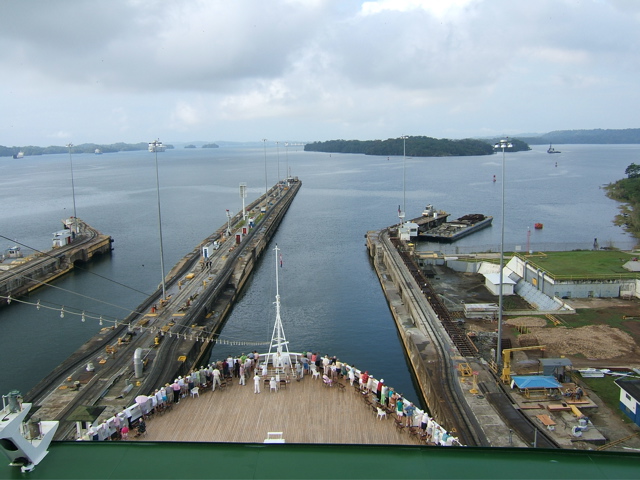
column 506, row 360
column 576, row 411
column 465, row 369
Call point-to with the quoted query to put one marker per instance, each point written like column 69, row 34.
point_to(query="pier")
column 167, row 336
column 443, row 358
column 20, row 276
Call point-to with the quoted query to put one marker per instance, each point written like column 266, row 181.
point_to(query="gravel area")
column 527, row 322
column 595, row 342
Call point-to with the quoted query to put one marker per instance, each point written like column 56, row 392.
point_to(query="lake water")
column 332, row 302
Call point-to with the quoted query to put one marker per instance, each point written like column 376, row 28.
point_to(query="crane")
column 506, row 360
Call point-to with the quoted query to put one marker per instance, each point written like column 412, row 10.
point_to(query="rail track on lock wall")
column 164, row 367
column 499, row 398
column 462, row 342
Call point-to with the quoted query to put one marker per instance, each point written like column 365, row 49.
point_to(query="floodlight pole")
column 243, row 195
column 156, row 146
column 266, row 189
column 404, row 170
column 278, row 154
column 503, row 144
column 73, row 193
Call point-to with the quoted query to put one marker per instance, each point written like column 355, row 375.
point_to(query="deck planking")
column 304, row 411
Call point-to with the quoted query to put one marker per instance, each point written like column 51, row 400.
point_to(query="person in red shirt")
column 364, row 378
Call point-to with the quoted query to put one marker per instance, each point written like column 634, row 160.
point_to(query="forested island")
column 210, row 145
column 83, row 148
column 627, row 191
column 415, row 147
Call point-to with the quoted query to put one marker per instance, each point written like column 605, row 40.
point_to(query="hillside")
column 596, row 136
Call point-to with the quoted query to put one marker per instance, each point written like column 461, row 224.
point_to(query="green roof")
column 157, row 460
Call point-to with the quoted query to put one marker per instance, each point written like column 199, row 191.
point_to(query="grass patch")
column 583, row 263
column 608, row 392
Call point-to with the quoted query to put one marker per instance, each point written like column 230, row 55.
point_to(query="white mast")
column 280, row 358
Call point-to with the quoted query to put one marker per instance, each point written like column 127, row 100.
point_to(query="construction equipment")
column 506, row 360
column 465, row 369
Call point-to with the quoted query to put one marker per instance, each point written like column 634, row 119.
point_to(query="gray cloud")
column 315, row 68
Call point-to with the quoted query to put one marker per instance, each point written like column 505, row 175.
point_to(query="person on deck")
column 176, row 391
column 409, row 410
column 256, row 383
column 423, row 421
column 242, row 373
column 364, row 378
column 379, row 390
column 430, row 427
column 352, row 375
column 399, row 408
column 216, row 379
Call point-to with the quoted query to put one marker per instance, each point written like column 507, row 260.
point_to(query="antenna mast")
column 279, row 356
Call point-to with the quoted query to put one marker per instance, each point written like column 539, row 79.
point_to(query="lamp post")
column 503, row 144
column 278, row 154
column 73, row 193
column 243, row 195
column 286, row 154
column 157, row 145
column 266, row 189
column 404, row 162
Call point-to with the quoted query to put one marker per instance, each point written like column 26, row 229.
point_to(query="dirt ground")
column 596, row 345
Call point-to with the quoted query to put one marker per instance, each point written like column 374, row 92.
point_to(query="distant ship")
column 552, row 150
column 18, row 155
column 98, row 151
column 452, row 231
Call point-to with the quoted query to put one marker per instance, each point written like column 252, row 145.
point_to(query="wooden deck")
column 305, row 412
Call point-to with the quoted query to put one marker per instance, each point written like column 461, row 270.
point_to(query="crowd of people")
column 216, row 375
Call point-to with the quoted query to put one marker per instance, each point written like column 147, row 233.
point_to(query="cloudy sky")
column 303, row 70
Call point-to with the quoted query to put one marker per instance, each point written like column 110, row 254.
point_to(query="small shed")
column 555, row 367
column 208, row 249
column 61, row 238
column 630, row 398
column 492, row 282
column 408, row 230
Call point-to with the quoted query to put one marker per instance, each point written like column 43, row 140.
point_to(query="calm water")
column 331, row 299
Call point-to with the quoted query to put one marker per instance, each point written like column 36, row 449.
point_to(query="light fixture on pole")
column 73, row 194
column 154, row 147
column 503, row 144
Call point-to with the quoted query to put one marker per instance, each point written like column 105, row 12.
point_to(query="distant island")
column 83, row 148
column 595, row 136
column 210, row 145
column 415, row 147
column 189, row 146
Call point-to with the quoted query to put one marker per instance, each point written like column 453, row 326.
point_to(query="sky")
column 306, row 70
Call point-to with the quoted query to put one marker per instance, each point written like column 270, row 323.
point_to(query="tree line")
column 419, row 146
column 627, row 191
column 83, row 148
